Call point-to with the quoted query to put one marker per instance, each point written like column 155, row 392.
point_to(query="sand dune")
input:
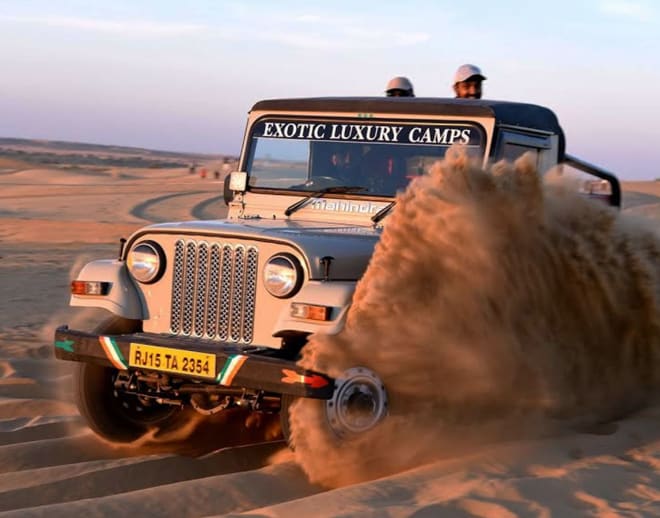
column 54, row 220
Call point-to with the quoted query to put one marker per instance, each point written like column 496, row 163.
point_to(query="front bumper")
column 240, row 367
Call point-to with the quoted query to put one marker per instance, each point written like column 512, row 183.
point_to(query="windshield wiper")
column 383, row 212
column 341, row 189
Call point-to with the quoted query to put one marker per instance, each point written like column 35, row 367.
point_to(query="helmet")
column 400, row 85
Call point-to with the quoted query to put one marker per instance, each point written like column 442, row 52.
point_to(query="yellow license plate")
column 172, row 360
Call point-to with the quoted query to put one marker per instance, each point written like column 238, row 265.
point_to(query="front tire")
column 345, row 430
column 112, row 415
column 359, row 403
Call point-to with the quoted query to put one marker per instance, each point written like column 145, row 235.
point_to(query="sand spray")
column 496, row 304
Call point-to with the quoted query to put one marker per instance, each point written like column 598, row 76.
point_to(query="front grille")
column 214, row 289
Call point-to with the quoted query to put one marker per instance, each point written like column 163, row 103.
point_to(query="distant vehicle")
column 212, row 315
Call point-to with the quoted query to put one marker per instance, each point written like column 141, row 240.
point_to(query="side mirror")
column 599, row 184
column 234, row 182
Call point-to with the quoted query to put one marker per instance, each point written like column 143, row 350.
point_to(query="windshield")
column 380, row 157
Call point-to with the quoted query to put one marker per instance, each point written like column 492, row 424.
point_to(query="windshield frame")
column 480, row 144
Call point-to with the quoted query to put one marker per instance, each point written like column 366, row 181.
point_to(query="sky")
column 181, row 76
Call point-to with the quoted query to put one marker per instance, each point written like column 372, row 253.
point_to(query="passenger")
column 399, row 87
column 383, row 172
column 467, row 82
column 341, row 165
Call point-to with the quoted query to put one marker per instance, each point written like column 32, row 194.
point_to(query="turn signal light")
column 90, row 288
column 310, row 311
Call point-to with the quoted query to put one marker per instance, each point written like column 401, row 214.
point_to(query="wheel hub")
column 359, row 402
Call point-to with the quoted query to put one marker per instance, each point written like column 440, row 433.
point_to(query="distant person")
column 399, row 87
column 226, row 167
column 467, row 82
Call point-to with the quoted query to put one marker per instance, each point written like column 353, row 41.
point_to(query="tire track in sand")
column 213, row 208
column 145, row 210
column 93, row 477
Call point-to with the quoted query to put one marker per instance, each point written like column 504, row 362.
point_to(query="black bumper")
column 235, row 366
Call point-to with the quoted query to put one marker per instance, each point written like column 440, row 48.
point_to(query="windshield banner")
column 438, row 134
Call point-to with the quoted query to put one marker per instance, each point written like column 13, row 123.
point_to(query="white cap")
column 466, row 72
column 399, row 83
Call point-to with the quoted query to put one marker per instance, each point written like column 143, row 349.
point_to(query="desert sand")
column 53, row 220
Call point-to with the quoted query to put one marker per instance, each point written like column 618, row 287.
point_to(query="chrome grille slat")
column 250, row 294
column 177, row 281
column 214, row 290
column 188, row 295
column 225, row 293
column 212, row 306
column 202, row 286
column 237, row 295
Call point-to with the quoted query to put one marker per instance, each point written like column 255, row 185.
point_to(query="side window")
column 512, row 145
column 512, row 152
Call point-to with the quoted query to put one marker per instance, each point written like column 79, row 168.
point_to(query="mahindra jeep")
column 212, row 315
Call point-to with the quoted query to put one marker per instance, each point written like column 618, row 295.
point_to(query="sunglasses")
column 398, row 93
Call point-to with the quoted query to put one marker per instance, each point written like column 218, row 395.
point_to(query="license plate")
column 164, row 359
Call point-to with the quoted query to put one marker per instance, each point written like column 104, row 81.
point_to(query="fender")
column 337, row 294
column 123, row 298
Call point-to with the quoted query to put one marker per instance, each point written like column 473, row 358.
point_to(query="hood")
column 349, row 246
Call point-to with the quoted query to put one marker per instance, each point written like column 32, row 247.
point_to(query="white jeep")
column 212, row 315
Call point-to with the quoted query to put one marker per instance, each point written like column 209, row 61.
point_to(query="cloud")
column 629, row 9
column 319, row 30
column 343, row 40
column 337, row 33
column 132, row 27
column 308, row 18
column 403, row 39
column 309, row 30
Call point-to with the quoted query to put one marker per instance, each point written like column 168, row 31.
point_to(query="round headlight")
column 283, row 275
column 146, row 262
